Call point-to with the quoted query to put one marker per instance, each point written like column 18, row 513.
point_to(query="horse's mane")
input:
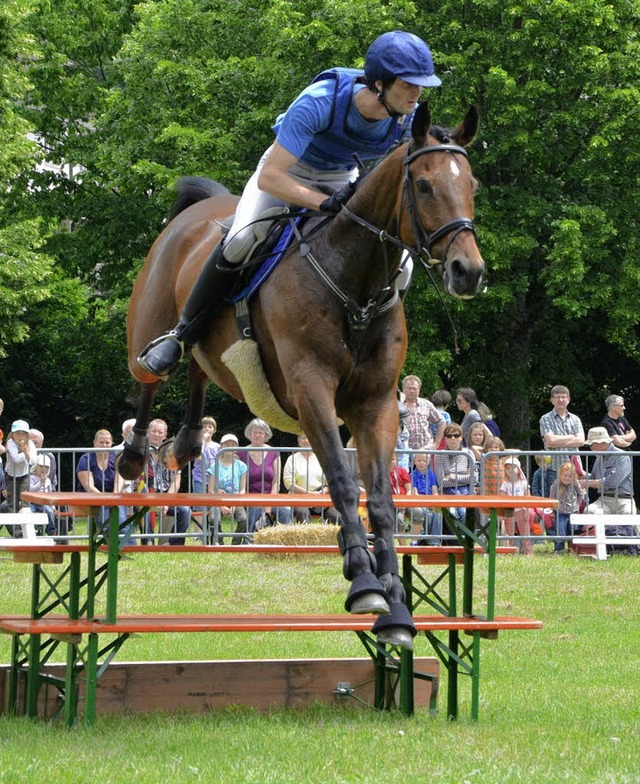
column 194, row 189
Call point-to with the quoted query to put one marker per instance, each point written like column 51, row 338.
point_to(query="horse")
column 330, row 334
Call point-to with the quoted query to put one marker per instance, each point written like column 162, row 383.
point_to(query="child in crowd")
column 229, row 475
column 543, row 477
column 400, row 485
column 569, row 493
column 424, row 482
column 20, row 456
column 39, row 482
column 515, row 484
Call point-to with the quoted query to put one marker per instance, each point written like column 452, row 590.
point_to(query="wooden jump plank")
column 152, row 624
column 203, row 686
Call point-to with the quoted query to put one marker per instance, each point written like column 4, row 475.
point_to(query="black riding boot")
column 209, row 294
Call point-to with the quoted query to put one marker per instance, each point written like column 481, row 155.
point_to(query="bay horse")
column 330, row 333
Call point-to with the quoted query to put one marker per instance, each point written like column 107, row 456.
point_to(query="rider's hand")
column 338, row 198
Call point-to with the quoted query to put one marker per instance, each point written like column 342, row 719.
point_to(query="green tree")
column 23, row 270
column 557, row 85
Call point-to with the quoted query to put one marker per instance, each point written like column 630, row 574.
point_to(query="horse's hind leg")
column 188, row 442
column 132, row 461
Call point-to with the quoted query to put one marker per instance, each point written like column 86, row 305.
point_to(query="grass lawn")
column 557, row 705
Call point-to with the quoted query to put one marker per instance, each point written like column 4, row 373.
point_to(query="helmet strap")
column 381, row 99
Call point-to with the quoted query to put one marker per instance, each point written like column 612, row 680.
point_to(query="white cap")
column 43, row 460
column 229, row 437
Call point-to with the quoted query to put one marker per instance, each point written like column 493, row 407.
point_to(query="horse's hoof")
column 369, row 603
column 129, row 464
column 187, row 445
column 397, row 636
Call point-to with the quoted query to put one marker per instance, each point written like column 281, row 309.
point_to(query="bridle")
column 425, row 239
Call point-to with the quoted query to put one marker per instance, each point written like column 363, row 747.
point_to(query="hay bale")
column 298, row 535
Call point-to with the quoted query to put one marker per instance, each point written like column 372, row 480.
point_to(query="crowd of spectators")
column 435, row 456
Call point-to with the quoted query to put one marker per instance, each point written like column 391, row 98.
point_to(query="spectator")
column 228, row 475
column 422, row 414
column 515, row 484
column 264, row 475
column 95, row 472
column 400, row 485
column 127, row 427
column 21, row 454
column 303, row 474
column 474, row 411
column 425, row 482
column 38, row 439
column 569, row 493
column 402, row 442
column 40, row 482
column 561, row 430
column 492, row 474
column 453, row 467
column 208, row 452
column 612, row 477
column 543, row 477
column 162, row 477
column 441, row 399
column 615, row 423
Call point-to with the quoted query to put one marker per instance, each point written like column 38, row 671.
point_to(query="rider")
column 342, row 115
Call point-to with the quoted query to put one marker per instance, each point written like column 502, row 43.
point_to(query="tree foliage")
column 133, row 96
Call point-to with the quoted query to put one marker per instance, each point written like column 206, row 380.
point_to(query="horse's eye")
column 424, row 187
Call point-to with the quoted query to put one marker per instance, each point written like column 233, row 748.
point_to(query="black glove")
column 338, row 198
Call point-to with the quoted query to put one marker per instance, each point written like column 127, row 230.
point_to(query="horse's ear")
column 421, row 124
column 466, row 131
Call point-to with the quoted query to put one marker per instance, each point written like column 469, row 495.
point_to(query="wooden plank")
column 291, row 499
column 203, row 686
column 183, row 624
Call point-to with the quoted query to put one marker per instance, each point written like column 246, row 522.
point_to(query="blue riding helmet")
column 403, row 56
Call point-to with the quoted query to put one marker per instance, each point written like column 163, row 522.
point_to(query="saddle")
column 274, row 233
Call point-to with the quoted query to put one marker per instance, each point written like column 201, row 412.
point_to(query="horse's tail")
column 194, row 189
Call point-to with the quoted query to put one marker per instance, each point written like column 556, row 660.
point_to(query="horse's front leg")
column 133, row 459
column 375, row 436
column 188, row 442
column 366, row 594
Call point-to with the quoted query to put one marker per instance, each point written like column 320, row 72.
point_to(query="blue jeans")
column 280, row 514
column 561, row 529
column 457, row 512
column 51, row 525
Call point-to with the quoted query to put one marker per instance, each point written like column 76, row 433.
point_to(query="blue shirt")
column 423, row 484
column 323, row 128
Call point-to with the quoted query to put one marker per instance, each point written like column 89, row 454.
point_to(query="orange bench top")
column 142, row 624
column 15, row 546
column 293, row 499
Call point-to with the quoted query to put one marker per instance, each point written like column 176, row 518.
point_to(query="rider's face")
column 402, row 97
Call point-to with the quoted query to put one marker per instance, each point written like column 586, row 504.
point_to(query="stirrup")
column 172, row 336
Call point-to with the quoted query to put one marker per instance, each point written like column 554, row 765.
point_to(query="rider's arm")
column 274, row 178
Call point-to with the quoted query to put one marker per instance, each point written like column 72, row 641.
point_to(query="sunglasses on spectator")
column 454, row 435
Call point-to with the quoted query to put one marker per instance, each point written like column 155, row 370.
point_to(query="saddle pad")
column 269, row 264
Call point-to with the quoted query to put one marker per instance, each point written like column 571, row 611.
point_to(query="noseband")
column 426, row 239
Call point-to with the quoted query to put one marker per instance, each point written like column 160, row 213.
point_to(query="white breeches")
column 254, row 202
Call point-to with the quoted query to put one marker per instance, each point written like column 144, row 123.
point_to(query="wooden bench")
column 82, row 628
column 395, row 672
column 600, row 541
